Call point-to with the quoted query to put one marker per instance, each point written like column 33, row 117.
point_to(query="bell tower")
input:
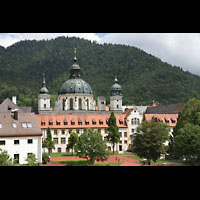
column 44, row 98
column 116, row 96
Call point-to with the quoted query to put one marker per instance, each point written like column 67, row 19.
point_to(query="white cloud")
column 180, row 49
column 7, row 39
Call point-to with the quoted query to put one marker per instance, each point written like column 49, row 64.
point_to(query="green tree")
column 5, row 159
column 185, row 143
column 31, row 160
column 149, row 140
column 48, row 142
column 92, row 147
column 113, row 131
column 72, row 141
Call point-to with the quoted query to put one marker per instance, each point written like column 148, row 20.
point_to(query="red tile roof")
column 163, row 118
column 87, row 117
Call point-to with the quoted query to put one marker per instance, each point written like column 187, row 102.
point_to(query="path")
column 111, row 159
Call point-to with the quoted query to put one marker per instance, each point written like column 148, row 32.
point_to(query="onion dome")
column 44, row 90
column 75, row 85
column 116, row 89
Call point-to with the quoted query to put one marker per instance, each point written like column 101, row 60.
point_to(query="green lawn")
column 62, row 154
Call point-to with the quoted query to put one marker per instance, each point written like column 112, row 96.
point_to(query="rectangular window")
column 30, row 141
column 16, row 141
column 55, row 140
column 63, row 140
column 125, row 134
column 79, row 123
column 120, row 122
column 57, row 123
column 65, row 123
column 63, row 132
column 72, row 123
column 87, row 123
column 120, row 134
column 94, row 123
column 125, row 141
column 2, row 142
column 0, row 125
column 55, row 132
column 59, row 150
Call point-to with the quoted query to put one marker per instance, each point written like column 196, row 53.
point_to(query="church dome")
column 75, row 86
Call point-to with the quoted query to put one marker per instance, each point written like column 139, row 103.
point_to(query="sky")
column 177, row 49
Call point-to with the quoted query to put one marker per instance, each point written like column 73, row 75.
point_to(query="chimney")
column 14, row 99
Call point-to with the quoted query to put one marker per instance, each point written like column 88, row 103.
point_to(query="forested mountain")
column 142, row 76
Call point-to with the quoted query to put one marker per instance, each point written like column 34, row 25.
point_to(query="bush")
column 45, row 158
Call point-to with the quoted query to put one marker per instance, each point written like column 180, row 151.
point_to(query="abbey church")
column 76, row 110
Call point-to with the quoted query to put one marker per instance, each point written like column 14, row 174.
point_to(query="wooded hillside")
column 142, row 76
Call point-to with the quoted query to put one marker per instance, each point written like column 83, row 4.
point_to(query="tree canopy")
column 92, row 146
column 185, row 143
column 149, row 140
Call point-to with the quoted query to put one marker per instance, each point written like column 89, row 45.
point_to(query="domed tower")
column 44, row 98
column 75, row 93
column 116, row 96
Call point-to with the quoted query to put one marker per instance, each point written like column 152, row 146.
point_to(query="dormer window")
column 24, row 125
column 14, row 125
column 120, row 121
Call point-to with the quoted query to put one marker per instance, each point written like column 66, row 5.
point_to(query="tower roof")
column 116, row 86
column 44, row 90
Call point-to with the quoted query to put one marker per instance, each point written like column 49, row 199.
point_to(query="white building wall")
column 103, row 132
column 23, row 148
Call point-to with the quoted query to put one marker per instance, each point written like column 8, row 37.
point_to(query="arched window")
column 80, row 103
column 71, row 104
column 63, row 104
column 87, row 104
column 135, row 121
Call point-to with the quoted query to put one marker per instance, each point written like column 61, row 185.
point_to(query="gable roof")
column 7, row 106
column 7, row 129
column 165, row 109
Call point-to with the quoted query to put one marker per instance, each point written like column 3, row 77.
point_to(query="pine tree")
column 113, row 131
column 48, row 142
column 72, row 142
